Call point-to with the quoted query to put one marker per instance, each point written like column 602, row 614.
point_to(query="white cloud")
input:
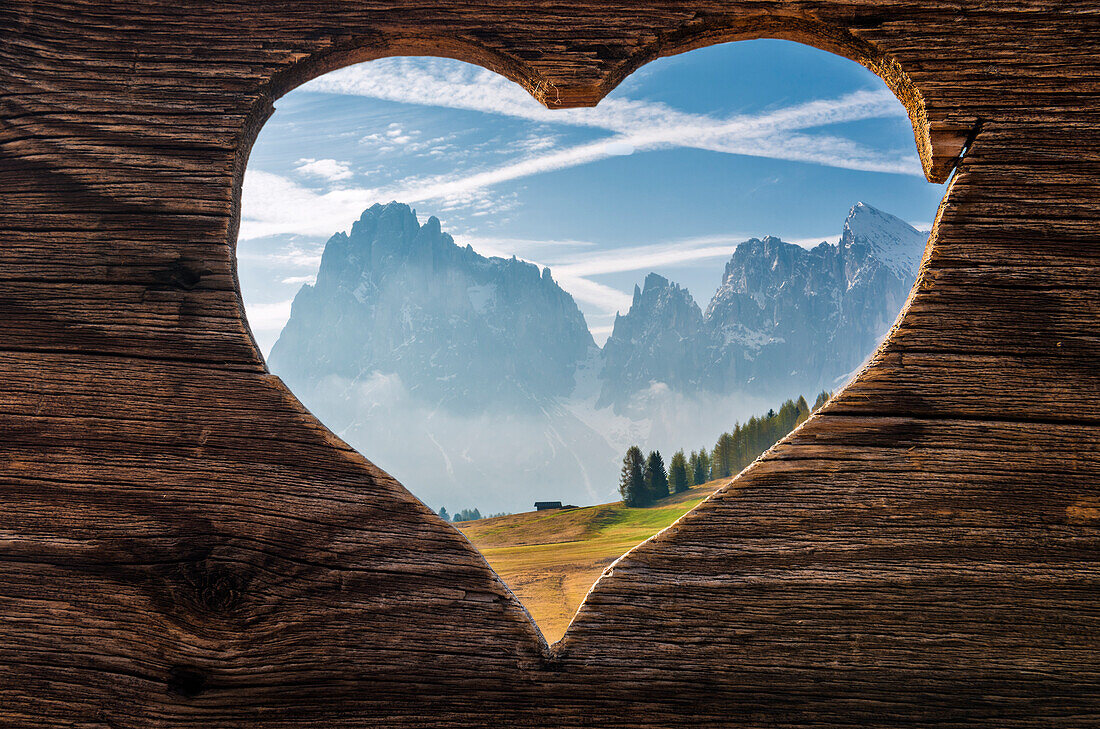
column 534, row 143
column 648, row 257
column 816, row 241
column 606, row 298
column 601, row 333
column 311, row 279
column 573, row 268
column 396, row 138
column 524, row 248
column 447, row 186
column 328, row 169
column 268, row 317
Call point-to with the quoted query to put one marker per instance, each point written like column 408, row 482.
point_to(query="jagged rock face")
column 785, row 320
column 766, row 323
column 656, row 341
column 881, row 255
column 895, row 244
column 461, row 331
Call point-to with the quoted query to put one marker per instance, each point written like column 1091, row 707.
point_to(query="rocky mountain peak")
column 896, row 244
column 437, row 359
column 653, row 341
column 785, row 318
column 458, row 329
column 653, row 282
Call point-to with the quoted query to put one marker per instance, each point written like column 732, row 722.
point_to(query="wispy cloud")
column 573, row 265
column 525, row 248
column 396, row 137
column 282, row 255
column 441, row 83
column 605, row 298
column 274, row 204
column 815, row 241
column 648, row 257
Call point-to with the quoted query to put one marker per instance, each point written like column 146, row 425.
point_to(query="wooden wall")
column 183, row 545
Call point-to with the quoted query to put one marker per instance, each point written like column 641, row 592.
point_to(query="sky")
column 689, row 156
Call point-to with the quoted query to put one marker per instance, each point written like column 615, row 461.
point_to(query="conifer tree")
column 803, row 410
column 731, row 453
column 702, row 470
column 740, row 448
column 443, row 514
column 786, row 419
column 678, row 472
column 656, row 477
column 632, row 478
column 722, row 460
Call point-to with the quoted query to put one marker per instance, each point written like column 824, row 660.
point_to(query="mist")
column 502, row 461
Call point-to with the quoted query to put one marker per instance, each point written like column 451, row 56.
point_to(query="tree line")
column 644, row 480
column 467, row 515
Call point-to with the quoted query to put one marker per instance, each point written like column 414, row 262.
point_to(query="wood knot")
column 186, row 681
column 178, row 275
column 209, row 578
column 214, row 587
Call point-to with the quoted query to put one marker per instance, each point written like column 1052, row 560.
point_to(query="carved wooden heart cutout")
column 184, row 544
column 475, row 379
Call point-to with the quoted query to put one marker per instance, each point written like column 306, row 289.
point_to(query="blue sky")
column 687, row 157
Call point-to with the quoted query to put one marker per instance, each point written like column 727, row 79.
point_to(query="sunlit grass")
column 551, row 558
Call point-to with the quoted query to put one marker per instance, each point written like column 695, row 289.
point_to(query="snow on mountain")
column 891, row 240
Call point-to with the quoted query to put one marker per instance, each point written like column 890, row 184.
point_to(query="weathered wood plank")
column 184, row 545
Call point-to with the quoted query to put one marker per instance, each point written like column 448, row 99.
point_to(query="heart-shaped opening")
column 538, row 368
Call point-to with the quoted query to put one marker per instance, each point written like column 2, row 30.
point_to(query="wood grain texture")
column 182, row 544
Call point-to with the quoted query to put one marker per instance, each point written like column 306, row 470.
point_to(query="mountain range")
column 463, row 331
column 475, row 381
column 785, row 320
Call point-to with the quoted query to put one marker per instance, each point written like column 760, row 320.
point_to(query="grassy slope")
column 551, row 558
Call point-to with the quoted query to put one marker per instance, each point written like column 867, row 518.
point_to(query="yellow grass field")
column 551, row 558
